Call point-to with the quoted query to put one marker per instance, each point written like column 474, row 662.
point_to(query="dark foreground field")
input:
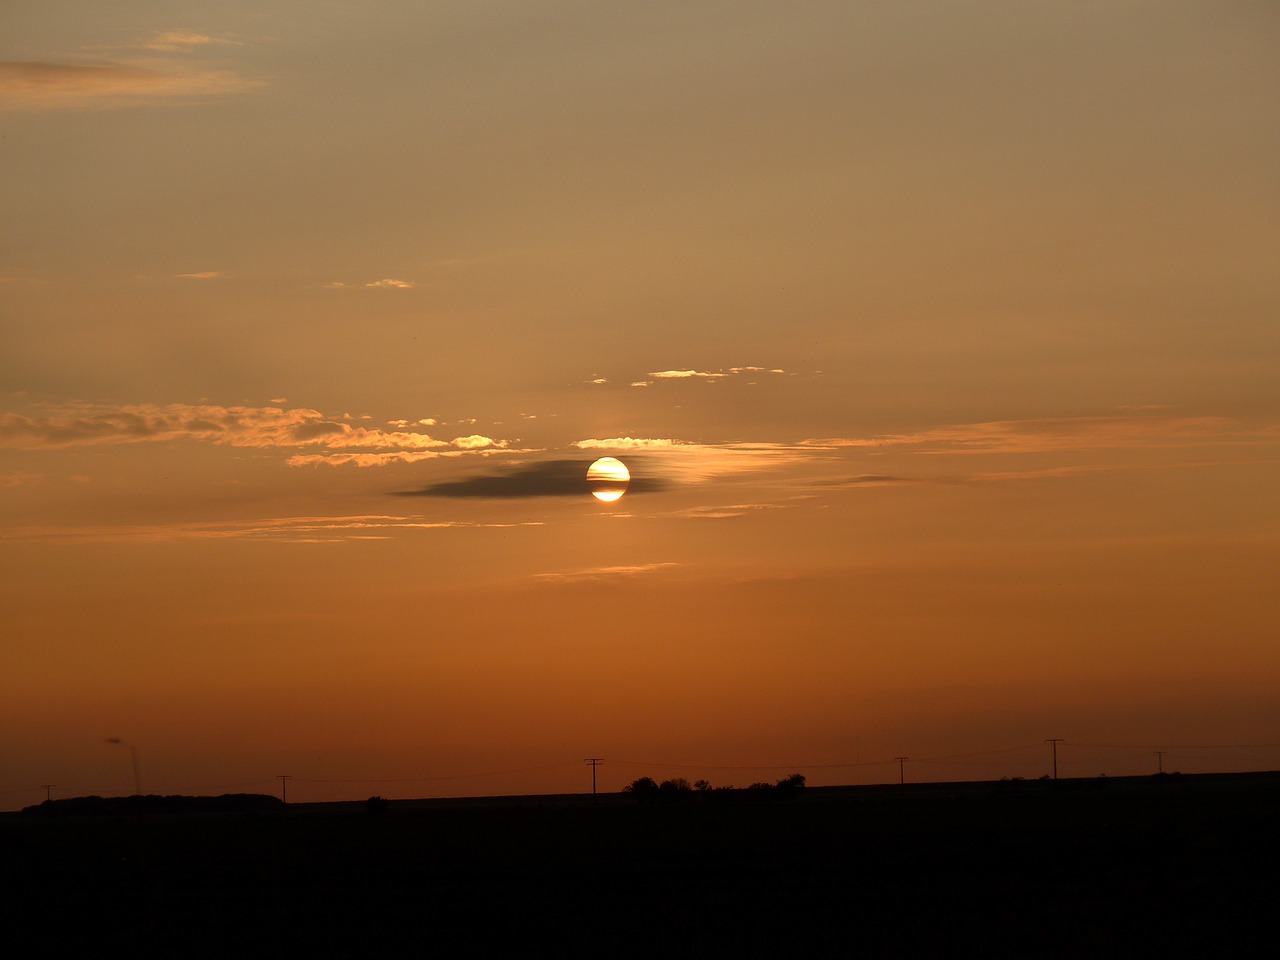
column 1123, row 868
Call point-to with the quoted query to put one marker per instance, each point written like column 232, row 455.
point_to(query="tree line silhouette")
column 678, row 788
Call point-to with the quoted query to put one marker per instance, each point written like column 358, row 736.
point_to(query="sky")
column 941, row 341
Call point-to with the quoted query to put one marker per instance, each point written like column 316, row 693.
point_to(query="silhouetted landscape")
column 1100, row 867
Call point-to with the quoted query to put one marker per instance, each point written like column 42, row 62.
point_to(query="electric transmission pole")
column 1055, row 741
column 593, row 762
column 1160, row 761
column 902, row 776
column 48, row 791
column 284, row 786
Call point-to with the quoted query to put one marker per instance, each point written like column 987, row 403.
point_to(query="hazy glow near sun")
column 608, row 479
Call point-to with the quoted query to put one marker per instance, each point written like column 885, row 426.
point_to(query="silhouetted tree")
column 791, row 784
column 642, row 787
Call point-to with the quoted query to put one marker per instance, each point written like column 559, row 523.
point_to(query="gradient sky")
column 942, row 341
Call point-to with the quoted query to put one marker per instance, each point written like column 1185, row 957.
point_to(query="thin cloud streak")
column 1062, row 434
column 45, row 85
column 281, row 529
column 605, row 573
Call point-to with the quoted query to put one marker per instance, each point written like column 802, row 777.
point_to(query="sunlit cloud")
column 174, row 40
column 387, row 283
column 625, row 443
column 605, row 573
column 41, row 85
column 206, row 275
column 688, row 462
column 685, row 374
column 278, row 529
column 259, row 427
column 709, row 376
column 1066, row 433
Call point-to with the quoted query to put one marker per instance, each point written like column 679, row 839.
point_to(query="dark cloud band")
column 551, row 478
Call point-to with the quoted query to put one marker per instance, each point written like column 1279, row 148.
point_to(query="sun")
column 608, row 479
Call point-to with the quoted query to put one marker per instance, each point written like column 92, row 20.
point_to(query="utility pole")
column 1055, row 741
column 1160, row 761
column 133, row 753
column 48, row 791
column 284, row 786
column 902, row 777
column 593, row 762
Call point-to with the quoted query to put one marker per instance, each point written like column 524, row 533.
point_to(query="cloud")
column 260, row 427
column 279, row 529
column 20, row 479
column 708, row 375
column 868, row 480
column 387, row 283
column 689, row 462
column 1064, row 433
column 175, row 40
column 624, row 443
column 684, row 374
column 606, row 573
column 206, row 275
column 548, row 478
column 43, row 85
column 727, row 511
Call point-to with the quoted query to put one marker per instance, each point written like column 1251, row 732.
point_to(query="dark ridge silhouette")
column 152, row 804
column 1118, row 867
column 550, row 478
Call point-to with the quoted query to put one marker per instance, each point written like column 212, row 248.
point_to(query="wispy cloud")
column 387, row 283
column 342, row 440
column 689, row 462
column 205, row 275
column 278, row 529
column 45, row 85
column 729, row 511
column 605, row 573
column 177, row 40
column 1065, row 433
column 20, row 479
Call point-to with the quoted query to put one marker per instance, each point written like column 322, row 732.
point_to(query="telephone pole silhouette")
column 133, row 755
column 48, row 791
column 1055, row 741
column 593, row 762
column 284, row 779
column 1160, row 761
column 902, row 777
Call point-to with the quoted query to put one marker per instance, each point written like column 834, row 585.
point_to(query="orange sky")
column 940, row 340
